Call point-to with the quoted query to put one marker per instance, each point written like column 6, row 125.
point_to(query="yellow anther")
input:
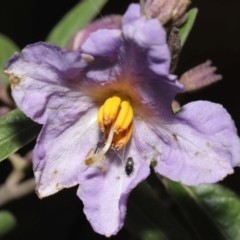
column 110, row 109
column 128, row 119
column 106, row 110
column 100, row 118
column 121, row 139
column 115, row 118
column 122, row 117
column 115, row 107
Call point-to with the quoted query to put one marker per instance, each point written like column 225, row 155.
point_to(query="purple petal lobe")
column 199, row 145
column 146, row 64
column 105, row 194
column 145, row 61
column 132, row 13
column 46, row 79
column 61, row 149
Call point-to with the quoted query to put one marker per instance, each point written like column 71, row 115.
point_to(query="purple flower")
column 119, row 83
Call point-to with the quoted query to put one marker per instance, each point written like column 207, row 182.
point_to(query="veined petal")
column 60, row 151
column 199, row 145
column 47, row 79
column 150, row 36
column 105, row 194
column 146, row 61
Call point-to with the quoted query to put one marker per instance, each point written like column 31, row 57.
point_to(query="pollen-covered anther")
column 110, row 109
column 115, row 116
column 121, row 139
column 124, row 117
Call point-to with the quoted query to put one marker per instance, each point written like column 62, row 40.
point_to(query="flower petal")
column 146, row 59
column 133, row 12
column 105, row 194
column 150, row 36
column 199, row 145
column 46, row 79
column 60, row 151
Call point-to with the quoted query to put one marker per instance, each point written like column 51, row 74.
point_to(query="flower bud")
column 109, row 22
column 167, row 11
column 199, row 77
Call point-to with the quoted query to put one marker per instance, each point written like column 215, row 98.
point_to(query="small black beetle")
column 129, row 167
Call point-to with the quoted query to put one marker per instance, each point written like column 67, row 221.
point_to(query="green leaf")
column 16, row 130
column 75, row 20
column 187, row 26
column 223, row 205
column 7, row 48
column 149, row 219
column 212, row 210
column 7, row 222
